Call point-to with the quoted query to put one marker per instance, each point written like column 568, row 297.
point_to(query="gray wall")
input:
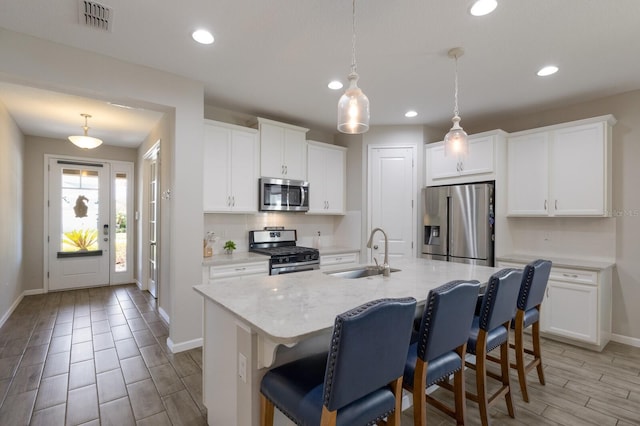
column 11, row 208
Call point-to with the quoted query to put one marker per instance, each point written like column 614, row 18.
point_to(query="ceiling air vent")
column 95, row 15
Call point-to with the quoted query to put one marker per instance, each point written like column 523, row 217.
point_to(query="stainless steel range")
column 286, row 256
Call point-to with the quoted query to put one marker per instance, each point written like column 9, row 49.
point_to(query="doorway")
column 151, row 220
column 392, row 191
column 89, row 204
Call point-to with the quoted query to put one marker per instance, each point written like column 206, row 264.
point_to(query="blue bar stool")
column 490, row 329
column 359, row 382
column 532, row 289
column 440, row 349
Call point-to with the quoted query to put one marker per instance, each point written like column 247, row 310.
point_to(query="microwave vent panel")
column 95, row 15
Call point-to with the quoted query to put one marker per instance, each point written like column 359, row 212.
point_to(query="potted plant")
column 229, row 247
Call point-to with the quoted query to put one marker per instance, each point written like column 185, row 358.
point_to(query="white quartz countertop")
column 337, row 250
column 586, row 264
column 290, row 307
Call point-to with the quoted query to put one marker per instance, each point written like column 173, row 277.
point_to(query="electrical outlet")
column 242, row 367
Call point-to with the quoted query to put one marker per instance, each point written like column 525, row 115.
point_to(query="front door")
column 392, row 189
column 79, row 224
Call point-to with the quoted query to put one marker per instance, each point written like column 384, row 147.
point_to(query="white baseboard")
column 139, row 284
column 626, row 340
column 184, row 346
column 164, row 315
column 12, row 308
column 16, row 302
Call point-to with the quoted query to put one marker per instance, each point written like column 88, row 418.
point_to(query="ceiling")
column 274, row 58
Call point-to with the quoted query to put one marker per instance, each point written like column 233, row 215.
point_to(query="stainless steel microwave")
column 284, row 195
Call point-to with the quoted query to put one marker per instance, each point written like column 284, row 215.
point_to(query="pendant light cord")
column 455, row 108
column 353, row 39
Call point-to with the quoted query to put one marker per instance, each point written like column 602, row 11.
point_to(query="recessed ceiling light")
column 483, row 7
column 411, row 114
column 202, row 36
column 335, row 85
column 548, row 70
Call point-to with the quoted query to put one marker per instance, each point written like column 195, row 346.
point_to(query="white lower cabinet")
column 577, row 305
column 339, row 259
column 236, row 270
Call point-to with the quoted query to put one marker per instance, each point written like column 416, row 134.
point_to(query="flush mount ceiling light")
column 202, row 36
column 548, row 70
column 483, row 7
column 335, row 85
column 411, row 114
column 353, row 107
column 456, row 141
column 84, row 141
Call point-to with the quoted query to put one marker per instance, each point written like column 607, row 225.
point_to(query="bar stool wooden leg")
column 519, row 349
column 504, row 369
column 537, row 353
column 481, row 377
column 458, row 386
column 266, row 411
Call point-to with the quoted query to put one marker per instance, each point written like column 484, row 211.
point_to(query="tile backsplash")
column 236, row 227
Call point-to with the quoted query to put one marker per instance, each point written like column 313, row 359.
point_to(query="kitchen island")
column 260, row 322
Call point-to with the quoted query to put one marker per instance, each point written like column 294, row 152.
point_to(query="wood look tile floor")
column 95, row 357
column 99, row 356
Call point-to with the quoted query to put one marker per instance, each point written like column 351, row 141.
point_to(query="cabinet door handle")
column 461, row 166
column 233, row 201
column 286, row 170
column 545, row 205
column 556, row 205
column 547, row 291
column 282, row 169
column 229, row 201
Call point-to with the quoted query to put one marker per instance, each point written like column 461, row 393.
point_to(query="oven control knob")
column 284, row 260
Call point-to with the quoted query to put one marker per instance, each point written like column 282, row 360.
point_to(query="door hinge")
column 47, row 274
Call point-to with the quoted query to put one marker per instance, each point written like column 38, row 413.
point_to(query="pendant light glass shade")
column 456, row 141
column 85, row 141
column 353, row 109
column 353, row 106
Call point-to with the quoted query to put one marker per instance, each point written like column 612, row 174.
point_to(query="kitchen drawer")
column 338, row 259
column 240, row 269
column 578, row 276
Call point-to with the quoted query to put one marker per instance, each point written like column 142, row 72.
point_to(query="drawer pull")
column 570, row 275
column 241, row 269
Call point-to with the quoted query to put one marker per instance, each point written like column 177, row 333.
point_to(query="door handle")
column 105, row 229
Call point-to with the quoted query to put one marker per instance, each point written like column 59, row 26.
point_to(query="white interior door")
column 392, row 189
column 78, row 224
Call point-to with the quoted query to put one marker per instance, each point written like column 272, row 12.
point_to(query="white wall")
column 36, row 62
column 11, row 208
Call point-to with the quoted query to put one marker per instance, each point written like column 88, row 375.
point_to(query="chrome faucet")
column 385, row 268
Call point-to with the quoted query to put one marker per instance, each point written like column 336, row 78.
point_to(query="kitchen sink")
column 359, row 272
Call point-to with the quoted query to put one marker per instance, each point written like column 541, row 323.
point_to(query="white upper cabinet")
column 231, row 158
column 326, row 171
column 562, row 170
column 283, row 150
column 478, row 165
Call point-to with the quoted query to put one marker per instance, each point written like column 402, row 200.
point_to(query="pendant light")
column 456, row 141
column 85, row 141
column 353, row 107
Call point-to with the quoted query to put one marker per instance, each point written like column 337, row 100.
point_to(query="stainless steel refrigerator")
column 459, row 223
